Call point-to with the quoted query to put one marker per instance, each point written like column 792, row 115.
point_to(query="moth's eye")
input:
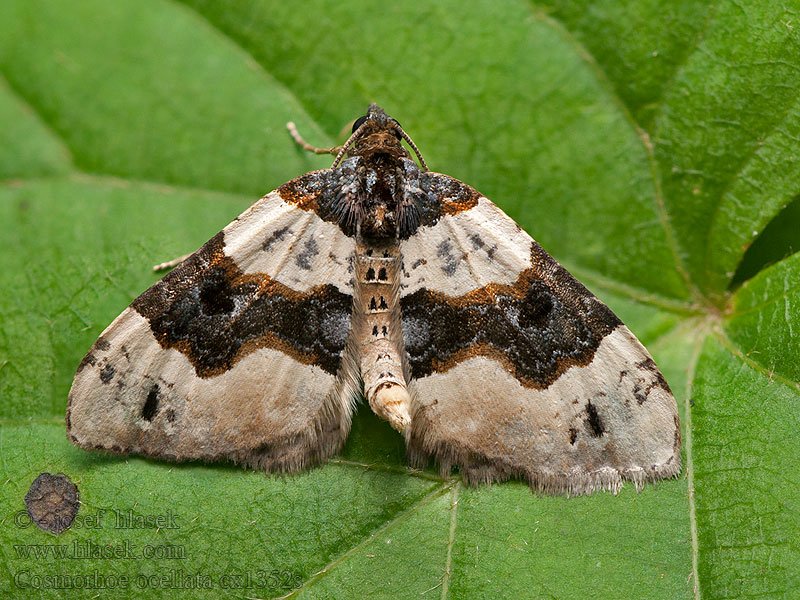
column 359, row 122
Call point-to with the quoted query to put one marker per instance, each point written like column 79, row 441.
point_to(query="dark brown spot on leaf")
column 52, row 502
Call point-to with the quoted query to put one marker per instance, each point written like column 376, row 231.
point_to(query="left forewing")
column 239, row 353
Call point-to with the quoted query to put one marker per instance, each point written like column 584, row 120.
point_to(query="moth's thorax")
column 380, row 175
column 381, row 183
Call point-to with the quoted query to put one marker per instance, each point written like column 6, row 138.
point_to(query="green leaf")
column 651, row 147
column 746, row 490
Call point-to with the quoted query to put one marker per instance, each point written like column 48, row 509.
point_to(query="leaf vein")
column 435, row 493
column 644, row 138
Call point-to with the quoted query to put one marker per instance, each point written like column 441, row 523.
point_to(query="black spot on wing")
column 593, row 421
column 449, row 263
column 538, row 327
column 90, row 359
column 650, row 366
column 215, row 315
column 646, row 377
column 537, row 306
column 150, row 407
column 477, row 241
column 310, row 250
column 107, row 373
column 214, row 295
column 100, row 345
column 276, row 236
column 573, row 435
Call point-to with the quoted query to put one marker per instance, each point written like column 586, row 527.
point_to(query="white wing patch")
column 293, row 246
column 464, row 251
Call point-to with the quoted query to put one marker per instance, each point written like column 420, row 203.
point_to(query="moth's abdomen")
column 376, row 320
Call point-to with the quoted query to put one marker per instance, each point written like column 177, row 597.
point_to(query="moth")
column 378, row 278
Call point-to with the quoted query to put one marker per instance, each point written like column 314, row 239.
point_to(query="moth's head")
column 377, row 133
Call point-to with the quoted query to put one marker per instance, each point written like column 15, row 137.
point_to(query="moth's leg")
column 170, row 263
column 376, row 320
